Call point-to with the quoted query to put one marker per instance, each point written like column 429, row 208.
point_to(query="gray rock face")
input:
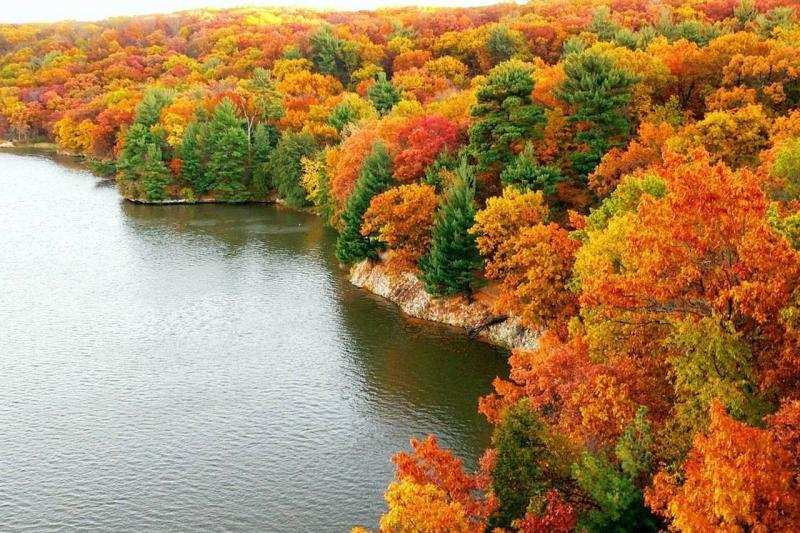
column 408, row 292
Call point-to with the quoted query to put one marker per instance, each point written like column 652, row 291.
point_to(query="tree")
column 616, row 489
column 383, row 94
column 786, row 168
column 536, row 275
column 429, row 465
column 504, row 115
column 144, row 142
column 260, row 102
column 227, row 147
column 557, row 516
column 639, row 154
column 401, row 218
column 707, row 235
column 148, row 112
column 350, row 109
column 155, row 174
column 376, row 176
column 265, row 138
column 525, row 173
column 735, row 137
column 194, row 158
column 500, row 222
column 132, row 158
column 634, row 450
column 598, row 93
column 712, row 362
column 334, row 56
column 285, row 166
column 349, row 158
column 420, row 142
column 619, row 502
column 526, row 467
column 451, row 265
column 502, row 44
column 423, row 509
column 736, row 477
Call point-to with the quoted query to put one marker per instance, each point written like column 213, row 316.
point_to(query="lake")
column 204, row 367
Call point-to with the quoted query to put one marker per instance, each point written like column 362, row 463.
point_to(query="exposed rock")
column 409, row 294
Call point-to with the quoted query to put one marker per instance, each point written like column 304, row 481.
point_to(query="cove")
column 204, row 366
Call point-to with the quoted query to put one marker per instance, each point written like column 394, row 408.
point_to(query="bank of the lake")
column 189, row 366
column 474, row 316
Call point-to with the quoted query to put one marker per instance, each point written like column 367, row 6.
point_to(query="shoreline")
column 403, row 289
column 475, row 316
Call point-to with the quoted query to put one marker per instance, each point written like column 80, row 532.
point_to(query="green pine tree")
column 265, row 137
column 525, row 173
column 599, row 92
column 285, row 167
column 135, row 161
column 334, row 56
column 504, row 115
column 227, row 151
column 445, row 161
column 383, row 94
column 194, row 158
column 529, row 463
column 453, row 261
column 155, row 174
column 376, row 177
column 618, row 502
column 502, row 44
column 132, row 158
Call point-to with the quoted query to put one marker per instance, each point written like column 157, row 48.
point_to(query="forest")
column 625, row 174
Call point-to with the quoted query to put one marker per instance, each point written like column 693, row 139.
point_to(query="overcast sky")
column 52, row 10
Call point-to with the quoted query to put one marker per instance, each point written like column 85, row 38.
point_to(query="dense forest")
column 624, row 173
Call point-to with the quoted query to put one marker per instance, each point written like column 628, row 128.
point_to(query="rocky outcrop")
column 474, row 316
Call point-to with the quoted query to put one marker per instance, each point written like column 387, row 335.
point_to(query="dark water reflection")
column 203, row 367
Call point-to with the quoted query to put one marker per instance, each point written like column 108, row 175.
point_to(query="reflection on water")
column 186, row 367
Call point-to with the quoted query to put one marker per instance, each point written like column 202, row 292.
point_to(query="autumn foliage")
column 402, row 218
column 619, row 177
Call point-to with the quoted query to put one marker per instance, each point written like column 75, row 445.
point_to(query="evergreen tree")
column 148, row 112
column 383, row 94
column 599, row 92
column 194, row 158
column 155, row 174
column 616, row 489
column 451, row 265
column 527, row 464
column 445, row 161
column 285, row 166
column 525, row 173
column 227, row 149
column 143, row 141
column 501, row 44
column 131, row 160
column 376, row 177
column 504, row 114
column 267, row 101
column 334, row 56
column 342, row 115
column 619, row 503
column 265, row 137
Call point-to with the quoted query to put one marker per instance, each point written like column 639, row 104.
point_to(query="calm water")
column 178, row 368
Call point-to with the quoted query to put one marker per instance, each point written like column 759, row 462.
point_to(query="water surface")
column 203, row 367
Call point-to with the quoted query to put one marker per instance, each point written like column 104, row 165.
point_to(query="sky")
column 54, row 10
